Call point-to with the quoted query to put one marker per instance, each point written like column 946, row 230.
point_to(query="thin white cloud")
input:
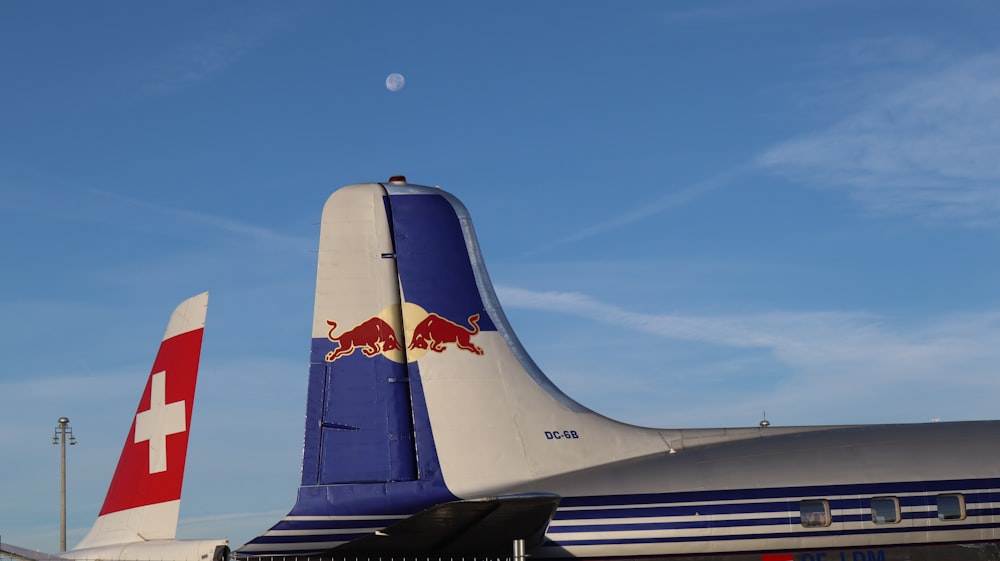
column 744, row 9
column 76, row 202
column 669, row 200
column 199, row 59
column 825, row 356
column 926, row 149
column 236, row 227
column 794, row 334
column 216, row 222
column 885, row 50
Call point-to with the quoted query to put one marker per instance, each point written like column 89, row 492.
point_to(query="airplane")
column 430, row 432
column 138, row 521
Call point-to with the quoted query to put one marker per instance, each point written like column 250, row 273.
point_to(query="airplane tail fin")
column 419, row 391
column 496, row 420
column 143, row 500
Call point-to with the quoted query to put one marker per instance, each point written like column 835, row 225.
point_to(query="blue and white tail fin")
column 419, row 391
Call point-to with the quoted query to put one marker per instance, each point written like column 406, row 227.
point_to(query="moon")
column 395, row 82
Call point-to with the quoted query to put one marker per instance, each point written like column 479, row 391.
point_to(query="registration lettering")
column 561, row 434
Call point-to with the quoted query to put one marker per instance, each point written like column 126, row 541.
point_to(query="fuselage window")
column 951, row 507
column 814, row 513
column 885, row 510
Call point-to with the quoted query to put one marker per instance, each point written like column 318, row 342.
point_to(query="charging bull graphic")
column 377, row 336
column 434, row 332
column 373, row 336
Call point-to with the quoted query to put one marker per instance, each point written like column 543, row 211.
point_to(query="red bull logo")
column 373, row 336
column 430, row 332
column 434, row 332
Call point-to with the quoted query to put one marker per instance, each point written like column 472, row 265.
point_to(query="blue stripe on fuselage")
column 968, row 486
column 635, row 513
column 766, row 535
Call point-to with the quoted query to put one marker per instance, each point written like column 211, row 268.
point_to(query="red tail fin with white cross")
column 143, row 500
column 138, row 521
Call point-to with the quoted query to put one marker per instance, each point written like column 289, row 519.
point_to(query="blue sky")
column 694, row 212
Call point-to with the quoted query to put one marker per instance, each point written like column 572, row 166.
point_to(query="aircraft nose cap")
column 398, row 180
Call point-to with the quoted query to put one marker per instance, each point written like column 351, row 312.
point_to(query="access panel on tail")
column 138, row 520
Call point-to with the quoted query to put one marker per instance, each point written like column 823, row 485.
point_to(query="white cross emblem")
column 158, row 421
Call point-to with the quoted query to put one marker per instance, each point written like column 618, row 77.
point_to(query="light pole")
column 62, row 430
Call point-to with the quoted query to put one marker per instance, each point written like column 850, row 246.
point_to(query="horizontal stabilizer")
column 27, row 554
column 473, row 527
